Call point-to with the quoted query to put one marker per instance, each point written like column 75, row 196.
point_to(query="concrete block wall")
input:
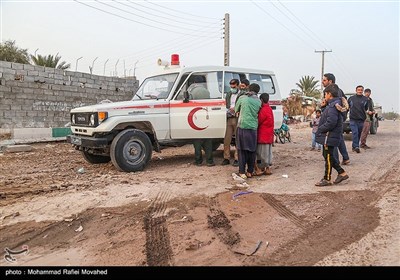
column 41, row 97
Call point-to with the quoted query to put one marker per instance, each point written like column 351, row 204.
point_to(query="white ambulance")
column 163, row 113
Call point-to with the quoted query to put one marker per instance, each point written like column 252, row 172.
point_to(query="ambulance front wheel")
column 131, row 150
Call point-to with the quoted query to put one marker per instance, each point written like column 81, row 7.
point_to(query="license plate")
column 76, row 140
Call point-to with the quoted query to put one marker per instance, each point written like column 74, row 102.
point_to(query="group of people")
column 327, row 133
column 250, row 119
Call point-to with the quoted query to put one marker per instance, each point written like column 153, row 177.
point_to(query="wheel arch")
column 144, row 126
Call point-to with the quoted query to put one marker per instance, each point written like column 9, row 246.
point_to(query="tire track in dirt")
column 218, row 222
column 283, row 211
column 331, row 233
column 158, row 245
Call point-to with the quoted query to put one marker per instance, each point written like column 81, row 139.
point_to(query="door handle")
column 216, row 108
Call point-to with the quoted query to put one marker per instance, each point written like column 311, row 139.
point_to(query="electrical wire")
column 160, row 28
column 176, row 11
column 174, row 18
column 156, row 21
column 263, row 10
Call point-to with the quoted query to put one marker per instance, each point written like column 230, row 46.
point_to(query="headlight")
column 92, row 119
column 73, row 118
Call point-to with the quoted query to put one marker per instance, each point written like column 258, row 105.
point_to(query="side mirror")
column 185, row 96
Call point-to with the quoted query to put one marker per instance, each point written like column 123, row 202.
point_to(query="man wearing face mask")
column 231, row 122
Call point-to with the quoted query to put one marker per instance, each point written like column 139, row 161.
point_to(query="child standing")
column 328, row 134
column 265, row 137
column 314, row 125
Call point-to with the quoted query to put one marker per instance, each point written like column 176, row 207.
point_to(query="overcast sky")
column 281, row 36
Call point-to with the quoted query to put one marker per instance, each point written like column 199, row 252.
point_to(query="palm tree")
column 308, row 86
column 50, row 61
column 11, row 53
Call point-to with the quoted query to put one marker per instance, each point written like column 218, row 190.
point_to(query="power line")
column 160, row 28
column 174, row 41
column 156, row 21
column 165, row 13
column 299, row 20
column 295, row 23
column 170, row 50
column 179, row 11
column 262, row 9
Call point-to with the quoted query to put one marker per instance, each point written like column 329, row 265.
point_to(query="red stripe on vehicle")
column 275, row 102
column 198, row 103
column 142, row 107
column 174, row 105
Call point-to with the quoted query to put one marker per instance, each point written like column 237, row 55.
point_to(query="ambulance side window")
column 179, row 95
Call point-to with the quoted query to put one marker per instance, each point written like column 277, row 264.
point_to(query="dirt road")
column 176, row 213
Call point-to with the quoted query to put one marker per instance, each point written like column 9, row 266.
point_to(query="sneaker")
column 365, row 146
column 225, row 162
column 235, row 163
column 323, row 183
column 357, row 150
column 346, row 162
column 197, row 163
column 210, row 164
column 340, row 178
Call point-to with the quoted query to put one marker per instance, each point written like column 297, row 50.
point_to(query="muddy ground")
column 177, row 214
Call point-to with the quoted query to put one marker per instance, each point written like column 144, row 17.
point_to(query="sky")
column 128, row 37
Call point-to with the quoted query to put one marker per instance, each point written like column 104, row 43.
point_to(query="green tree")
column 308, row 87
column 390, row 115
column 10, row 52
column 50, row 61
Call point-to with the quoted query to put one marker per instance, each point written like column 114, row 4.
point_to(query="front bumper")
column 88, row 142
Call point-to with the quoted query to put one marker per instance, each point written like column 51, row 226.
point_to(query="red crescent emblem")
column 190, row 118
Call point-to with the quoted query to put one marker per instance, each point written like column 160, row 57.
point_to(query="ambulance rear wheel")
column 131, row 150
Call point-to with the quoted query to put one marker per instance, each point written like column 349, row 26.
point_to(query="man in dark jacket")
column 328, row 134
column 358, row 106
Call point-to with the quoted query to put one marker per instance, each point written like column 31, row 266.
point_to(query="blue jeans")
column 342, row 149
column 315, row 144
column 356, row 127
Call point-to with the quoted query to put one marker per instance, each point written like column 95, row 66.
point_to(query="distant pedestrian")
column 358, row 106
column 314, row 125
column 328, row 134
column 368, row 120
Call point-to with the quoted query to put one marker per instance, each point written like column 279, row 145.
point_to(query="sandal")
column 248, row 175
column 267, row 171
column 243, row 176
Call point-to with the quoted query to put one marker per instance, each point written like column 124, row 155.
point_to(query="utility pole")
column 226, row 40
column 322, row 67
